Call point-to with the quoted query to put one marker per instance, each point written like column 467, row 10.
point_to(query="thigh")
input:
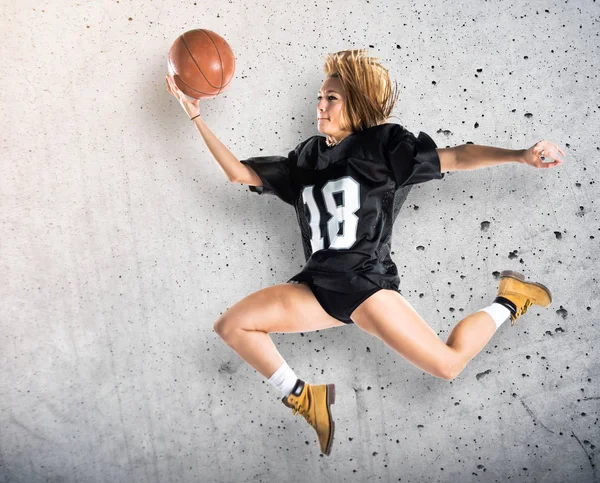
column 388, row 316
column 288, row 307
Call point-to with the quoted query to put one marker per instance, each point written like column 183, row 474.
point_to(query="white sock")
column 498, row 312
column 284, row 379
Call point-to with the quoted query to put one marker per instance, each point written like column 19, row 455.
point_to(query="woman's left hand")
column 542, row 149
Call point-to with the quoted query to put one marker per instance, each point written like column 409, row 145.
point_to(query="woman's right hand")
column 191, row 107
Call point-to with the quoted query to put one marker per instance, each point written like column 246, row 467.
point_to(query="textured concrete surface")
column 122, row 242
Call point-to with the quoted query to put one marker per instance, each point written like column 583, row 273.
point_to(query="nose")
column 320, row 105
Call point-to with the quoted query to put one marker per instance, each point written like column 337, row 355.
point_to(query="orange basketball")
column 201, row 63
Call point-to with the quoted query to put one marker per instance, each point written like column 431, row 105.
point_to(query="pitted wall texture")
column 122, row 242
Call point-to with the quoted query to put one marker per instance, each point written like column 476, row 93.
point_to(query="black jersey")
column 346, row 199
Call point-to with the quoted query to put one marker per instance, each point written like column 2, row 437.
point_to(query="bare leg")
column 388, row 316
column 471, row 335
column 245, row 327
column 257, row 349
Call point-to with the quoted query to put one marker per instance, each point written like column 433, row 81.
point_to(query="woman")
column 343, row 188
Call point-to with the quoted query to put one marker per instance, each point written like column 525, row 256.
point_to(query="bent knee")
column 447, row 371
column 225, row 326
column 447, row 376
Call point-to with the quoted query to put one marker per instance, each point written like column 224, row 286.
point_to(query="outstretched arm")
column 474, row 156
column 235, row 171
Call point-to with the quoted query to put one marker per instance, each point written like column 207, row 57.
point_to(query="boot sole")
column 330, row 401
column 521, row 278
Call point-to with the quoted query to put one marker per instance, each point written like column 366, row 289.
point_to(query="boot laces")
column 526, row 306
column 521, row 311
column 303, row 410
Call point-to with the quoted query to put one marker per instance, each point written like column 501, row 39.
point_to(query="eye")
column 329, row 97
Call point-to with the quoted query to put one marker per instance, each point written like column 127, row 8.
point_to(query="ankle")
column 499, row 312
column 284, row 379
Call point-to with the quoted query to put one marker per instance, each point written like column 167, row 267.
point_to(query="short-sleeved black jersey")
column 347, row 198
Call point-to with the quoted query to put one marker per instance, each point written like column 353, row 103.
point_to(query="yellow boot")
column 314, row 402
column 517, row 295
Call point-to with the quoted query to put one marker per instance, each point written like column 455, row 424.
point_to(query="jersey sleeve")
column 276, row 174
column 413, row 159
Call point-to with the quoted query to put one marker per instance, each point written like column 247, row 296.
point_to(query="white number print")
column 342, row 215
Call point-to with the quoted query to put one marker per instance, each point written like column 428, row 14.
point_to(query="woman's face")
column 329, row 109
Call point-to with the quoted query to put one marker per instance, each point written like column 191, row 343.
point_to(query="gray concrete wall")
column 122, row 242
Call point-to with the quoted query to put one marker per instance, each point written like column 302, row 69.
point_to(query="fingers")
column 542, row 152
column 173, row 89
column 541, row 164
column 190, row 105
column 549, row 151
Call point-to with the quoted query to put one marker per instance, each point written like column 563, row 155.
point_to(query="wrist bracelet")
column 192, row 118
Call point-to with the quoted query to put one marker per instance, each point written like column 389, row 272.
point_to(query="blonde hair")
column 368, row 90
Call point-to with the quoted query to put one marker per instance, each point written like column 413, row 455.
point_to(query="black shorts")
column 339, row 305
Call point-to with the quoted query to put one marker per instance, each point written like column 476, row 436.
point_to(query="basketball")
column 201, row 63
